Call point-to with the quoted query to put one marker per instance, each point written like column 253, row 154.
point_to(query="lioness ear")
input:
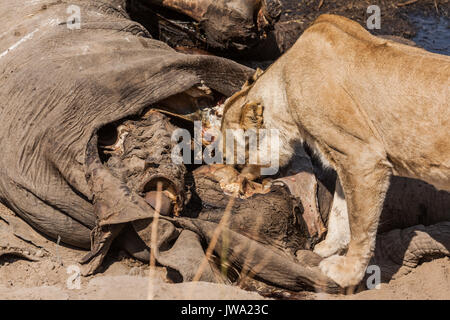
column 258, row 73
column 252, row 116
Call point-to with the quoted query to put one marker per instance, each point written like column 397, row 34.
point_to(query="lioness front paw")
column 345, row 271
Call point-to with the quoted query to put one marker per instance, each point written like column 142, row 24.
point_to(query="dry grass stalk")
column 436, row 6
column 154, row 242
column 320, row 5
column 217, row 232
column 406, row 3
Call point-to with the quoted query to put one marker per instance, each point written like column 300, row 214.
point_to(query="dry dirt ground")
column 53, row 276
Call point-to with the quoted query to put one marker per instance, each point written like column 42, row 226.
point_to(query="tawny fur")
column 369, row 108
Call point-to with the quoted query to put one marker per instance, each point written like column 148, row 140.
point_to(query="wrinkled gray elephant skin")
column 59, row 86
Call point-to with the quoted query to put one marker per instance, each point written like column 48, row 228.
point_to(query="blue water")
column 433, row 33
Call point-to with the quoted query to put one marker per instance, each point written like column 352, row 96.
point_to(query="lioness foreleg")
column 365, row 184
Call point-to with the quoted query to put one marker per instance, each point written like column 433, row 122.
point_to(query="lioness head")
column 241, row 124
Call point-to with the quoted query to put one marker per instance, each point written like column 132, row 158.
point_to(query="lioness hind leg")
column 338, row 235
column 365, row 188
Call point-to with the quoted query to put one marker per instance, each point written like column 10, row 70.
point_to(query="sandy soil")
column 47, row 279
column 431, row 280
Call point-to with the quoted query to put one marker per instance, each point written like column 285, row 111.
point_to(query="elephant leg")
column 399, row 251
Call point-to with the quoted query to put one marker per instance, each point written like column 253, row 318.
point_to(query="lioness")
column 369, row 108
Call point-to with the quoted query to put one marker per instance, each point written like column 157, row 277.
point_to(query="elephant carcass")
column 60, row 84
column 234, row 25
